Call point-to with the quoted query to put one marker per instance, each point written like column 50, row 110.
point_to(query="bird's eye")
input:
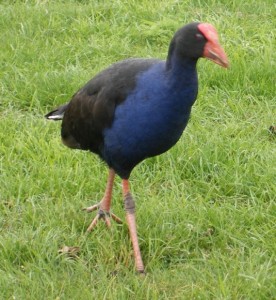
column 199, row 36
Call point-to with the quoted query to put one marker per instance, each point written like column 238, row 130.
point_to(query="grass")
column 205, row 210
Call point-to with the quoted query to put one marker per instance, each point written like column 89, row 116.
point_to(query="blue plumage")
column 153, row 116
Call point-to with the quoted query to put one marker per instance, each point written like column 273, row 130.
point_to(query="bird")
column 135, row 109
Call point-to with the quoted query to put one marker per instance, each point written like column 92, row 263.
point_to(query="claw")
column 91, row 208
column 105, row 215
column 93, row 223
column 116, row 219
column 107, row 221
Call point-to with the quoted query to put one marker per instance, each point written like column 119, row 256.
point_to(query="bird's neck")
column 177, row 65
column 182, row 77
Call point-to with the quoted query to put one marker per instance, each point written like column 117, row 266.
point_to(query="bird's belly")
column 141, row 132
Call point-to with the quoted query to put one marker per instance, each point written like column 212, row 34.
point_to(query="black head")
column 197, row 40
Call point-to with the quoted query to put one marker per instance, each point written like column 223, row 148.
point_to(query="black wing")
column 92, row 108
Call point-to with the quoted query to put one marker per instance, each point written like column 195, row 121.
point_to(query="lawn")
column 206, row 209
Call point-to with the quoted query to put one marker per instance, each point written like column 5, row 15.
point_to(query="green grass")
column 205, row 210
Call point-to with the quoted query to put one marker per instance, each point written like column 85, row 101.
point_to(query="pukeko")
column 137, row 108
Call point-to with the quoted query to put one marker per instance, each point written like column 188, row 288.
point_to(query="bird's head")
column 212, row 48
column 197, row 40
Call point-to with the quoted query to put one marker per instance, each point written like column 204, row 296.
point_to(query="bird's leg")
column 130, row 217
column 104, row 206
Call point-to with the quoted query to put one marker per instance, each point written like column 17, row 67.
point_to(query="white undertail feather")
column 57, row 114
column 55, row 117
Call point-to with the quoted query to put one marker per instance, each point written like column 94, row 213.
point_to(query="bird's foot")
column 102, row 214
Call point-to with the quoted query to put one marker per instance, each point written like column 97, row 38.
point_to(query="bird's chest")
column 160, row 118
column 150, row 121
column 152, row 118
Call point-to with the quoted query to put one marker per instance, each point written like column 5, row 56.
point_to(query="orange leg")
column 104, row 206
column 130, row 217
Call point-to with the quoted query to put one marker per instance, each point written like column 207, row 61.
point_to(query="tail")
column 57, row 114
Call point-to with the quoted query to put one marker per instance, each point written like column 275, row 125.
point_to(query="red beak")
column 215, row 53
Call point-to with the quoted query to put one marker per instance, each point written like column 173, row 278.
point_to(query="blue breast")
column 152, row 118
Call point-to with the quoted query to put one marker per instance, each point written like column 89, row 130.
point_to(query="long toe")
column 93, row 223
column 102, row 215
column 92, row 208
column 116, row 219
